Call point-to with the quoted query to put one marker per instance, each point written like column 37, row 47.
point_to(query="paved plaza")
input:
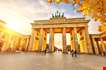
column 33, row 61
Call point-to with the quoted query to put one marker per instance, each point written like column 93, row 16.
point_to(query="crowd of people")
column 74, row 53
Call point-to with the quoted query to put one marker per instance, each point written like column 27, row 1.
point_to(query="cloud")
column 25, row 11
column 20, row 13
column 93, row 27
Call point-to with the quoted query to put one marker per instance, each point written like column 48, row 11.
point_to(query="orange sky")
column 18, row 14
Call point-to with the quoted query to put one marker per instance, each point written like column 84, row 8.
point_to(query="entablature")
column 60, row 21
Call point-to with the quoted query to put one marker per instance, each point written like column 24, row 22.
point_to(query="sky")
column 18, row 14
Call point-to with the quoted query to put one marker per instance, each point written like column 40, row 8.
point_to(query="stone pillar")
column 41, row 40
column 76, row 40
column 13, row 44
column 1, row 40
column 88, row 42
column 4, row 46
column 64, row 40
column 36, row 40
column 44, row 40
column 72, row 39
column 102, row 44
column 85, row 46
column 9, row 43
column 16, row 42
column 31, row 41
column 81, row 42
column 51, row 41
column 27, row 44
column 98, row 47
column 95, row 46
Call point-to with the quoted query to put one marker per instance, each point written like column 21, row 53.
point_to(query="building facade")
column 99, row 41
column 11, row 41
column 76, row 27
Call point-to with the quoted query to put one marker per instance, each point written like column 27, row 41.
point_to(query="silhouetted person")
column 72, row 53
column 45, row 51
column 104, row 53
column 75, row 53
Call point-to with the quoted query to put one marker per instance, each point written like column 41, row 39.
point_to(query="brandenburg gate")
column 76, row 27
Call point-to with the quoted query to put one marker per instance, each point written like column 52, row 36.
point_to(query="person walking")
column 75, row 53
column 45, row 51
column 72, row 53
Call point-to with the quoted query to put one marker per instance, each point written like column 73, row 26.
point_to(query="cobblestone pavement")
column 33, row 61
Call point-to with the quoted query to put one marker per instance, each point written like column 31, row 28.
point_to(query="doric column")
column 6, row 43
column 41, row 40
column 44, row 40
column 27, row 44
column 13, row 44
column 85, row 46
column 9, row 43
column 102, row 44
column 64, row 40
column 95, row 46
column 76, row 40
column 72, row 39
column 31, row 41
column 36, row 40
column 98, row 47
column 51, row 41
column 81, row 45
column 88, row 42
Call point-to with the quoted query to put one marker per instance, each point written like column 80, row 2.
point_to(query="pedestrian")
column 75, row 53
column 72, row 53
column 104, row 53
column 45, row 51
